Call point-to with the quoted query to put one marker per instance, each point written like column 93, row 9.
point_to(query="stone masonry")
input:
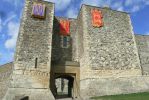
column 143, row 49
column 111, row 48
column 32, row 62
column 5, row 73
column 97, row 61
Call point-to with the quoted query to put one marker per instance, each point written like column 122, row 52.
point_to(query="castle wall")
column 33, row 51
column 114, row 86
column 111, row 49
column 32, row 64
column 143, row 50
column 59, row 54
column 34, row 39
column 108, row 56
column 79, row 38
column 5, row 74
column 108, row 51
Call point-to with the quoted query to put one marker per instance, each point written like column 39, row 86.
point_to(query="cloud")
column 135, row 8
column 135, row 5
column 128, row 2
column 13, row 29
column 60, row 4
column 134, row 2
column 11, row 16
column 131, row 6
column 91, row 2
column 73, row 10
column 147, row 33
column 147, row 2
column 117, row 4
column 72, row 13
column 105, row 3
column 120, row 9
column 3, row 36
column 16, row 3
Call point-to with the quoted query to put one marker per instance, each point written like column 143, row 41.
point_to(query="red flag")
column 64, row 27
column 97, row 18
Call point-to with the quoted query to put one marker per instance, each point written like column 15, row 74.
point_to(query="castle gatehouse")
column 95, row 54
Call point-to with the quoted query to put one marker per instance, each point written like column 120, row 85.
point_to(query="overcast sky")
column 11, row 12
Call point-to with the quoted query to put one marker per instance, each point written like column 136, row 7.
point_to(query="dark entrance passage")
column 65, row 80
column 64, row 85
column 21, row 98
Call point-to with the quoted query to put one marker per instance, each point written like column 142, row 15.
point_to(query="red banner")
column 97, row 18
column 64, row 27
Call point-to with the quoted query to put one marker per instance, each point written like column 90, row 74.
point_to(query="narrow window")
column 36, row 61
column 65, row 40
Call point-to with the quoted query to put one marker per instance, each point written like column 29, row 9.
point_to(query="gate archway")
column 70, row 73
column 64, row 85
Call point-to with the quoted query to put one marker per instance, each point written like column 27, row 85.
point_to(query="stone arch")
column 69, row 85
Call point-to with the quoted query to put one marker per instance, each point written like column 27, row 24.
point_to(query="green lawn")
column 135, row 96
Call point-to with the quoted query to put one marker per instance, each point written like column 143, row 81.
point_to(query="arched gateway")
column 65, row 80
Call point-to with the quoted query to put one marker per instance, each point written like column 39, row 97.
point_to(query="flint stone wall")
column 34, row 41
column 78, row 42
column 113, row 86
column 59, row 54
column 108, row 56
column 5, row 74
column 35, row 38
column 143, row 50
column 108, row 48
column 32, row 94
column 111, row 46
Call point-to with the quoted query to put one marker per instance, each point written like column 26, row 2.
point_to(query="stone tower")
column 107, row 49
column 96, row 53
column 106, row 52
column 31, row 74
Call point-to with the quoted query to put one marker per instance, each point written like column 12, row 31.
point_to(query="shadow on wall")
column 25, row 98
column 59, row 54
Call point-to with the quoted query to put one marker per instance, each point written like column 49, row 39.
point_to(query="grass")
column 134, row 96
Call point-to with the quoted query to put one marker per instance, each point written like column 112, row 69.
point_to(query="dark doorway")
column 25, row 98
column 64, row 86
column 21, row 98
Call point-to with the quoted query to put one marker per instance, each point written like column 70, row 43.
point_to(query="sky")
column 11, row 13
